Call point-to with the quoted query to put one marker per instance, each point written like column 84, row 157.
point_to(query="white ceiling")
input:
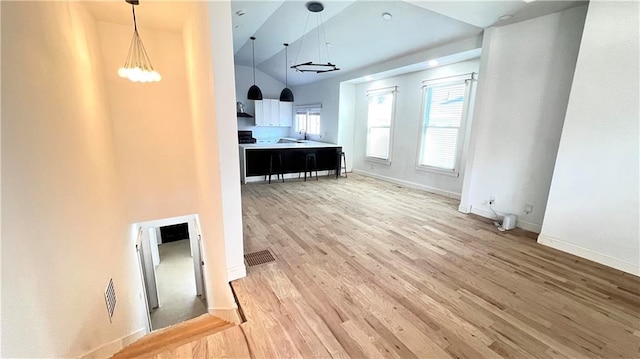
column 357, row 33
column 355, row 29
column 156, row 15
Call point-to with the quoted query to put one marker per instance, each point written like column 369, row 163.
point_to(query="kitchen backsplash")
column 263, row 132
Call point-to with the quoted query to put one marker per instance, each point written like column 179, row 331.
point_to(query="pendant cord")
column 253, row 51
column 135, row 25
column 324, row 35
column 318, row 31
column 302, row 38
column 286, row 60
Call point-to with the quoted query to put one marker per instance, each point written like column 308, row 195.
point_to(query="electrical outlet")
column 492, row 200
column 528, row 208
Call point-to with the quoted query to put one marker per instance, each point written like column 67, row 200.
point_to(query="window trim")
column 308, row 108
column 468, row 80
column 381, row 91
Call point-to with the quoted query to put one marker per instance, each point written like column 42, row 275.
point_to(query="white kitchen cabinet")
column 286, row 114
column 272, row 112
column 259, row 113
column 274, row 116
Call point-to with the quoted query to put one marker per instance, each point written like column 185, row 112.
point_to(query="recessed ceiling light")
column 529, row 0
column 386, row 16
column 240, row 12
column 328, row 44
column 505, row 17
column 433, row 63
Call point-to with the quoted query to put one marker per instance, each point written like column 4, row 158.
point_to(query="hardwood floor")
column 367, row 269
column 185, row 339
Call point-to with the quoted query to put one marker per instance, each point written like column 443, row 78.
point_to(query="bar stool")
column 277, row 156
column 341, row 164
column 310, row 165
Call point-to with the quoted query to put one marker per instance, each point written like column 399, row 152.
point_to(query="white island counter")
column 255, row 157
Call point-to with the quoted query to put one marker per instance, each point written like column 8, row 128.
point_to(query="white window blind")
column 308, row 119
column 444, row 106
column 379, row 121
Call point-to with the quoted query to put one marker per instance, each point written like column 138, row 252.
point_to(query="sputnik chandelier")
column 138, row 67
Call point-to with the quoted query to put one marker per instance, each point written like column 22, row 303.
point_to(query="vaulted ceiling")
column 357, row 33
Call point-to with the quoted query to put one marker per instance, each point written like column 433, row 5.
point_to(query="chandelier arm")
column 139, row 58
column 131, row 46
column 146, row 60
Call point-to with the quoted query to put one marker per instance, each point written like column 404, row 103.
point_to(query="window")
column 440, row 138
column 379, row 123
column 308, row 119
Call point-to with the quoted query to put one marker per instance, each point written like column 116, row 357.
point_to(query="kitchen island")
column 255, row 158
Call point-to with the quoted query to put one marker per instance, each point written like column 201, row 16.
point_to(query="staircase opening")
column 170, row 252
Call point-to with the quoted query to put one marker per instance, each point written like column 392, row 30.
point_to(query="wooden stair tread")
column 174, row 336
column 230, row 343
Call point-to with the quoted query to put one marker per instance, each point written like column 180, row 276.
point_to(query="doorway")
column 170, row 256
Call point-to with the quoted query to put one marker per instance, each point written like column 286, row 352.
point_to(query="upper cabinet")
column 271, row 112
column 286, row 114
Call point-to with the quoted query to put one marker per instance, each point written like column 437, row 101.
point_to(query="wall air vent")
column 110, row 299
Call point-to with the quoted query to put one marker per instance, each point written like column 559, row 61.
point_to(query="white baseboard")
column 409, row 184
column 236, row 272
column 108, row 349
column 464, row 208
column 527, row 226
column 589, row 254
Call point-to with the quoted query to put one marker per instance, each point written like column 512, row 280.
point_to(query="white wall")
column 526, row 72
column 270, row 88
column 406, row 127
column 327, row 92
column 1, row 232
column 212, row 102
column 229, row 159
column 65, row 231
column 346, row 121
column 151, row 125
column 594, row 201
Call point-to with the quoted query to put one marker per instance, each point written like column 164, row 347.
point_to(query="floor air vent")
column 260, row 257
column 110, row 298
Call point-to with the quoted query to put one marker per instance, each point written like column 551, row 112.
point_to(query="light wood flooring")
column 183, row 340
column 368, row 269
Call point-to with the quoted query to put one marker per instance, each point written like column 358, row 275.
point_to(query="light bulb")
column 122, row 72
column 136, row 74
column 156, row 76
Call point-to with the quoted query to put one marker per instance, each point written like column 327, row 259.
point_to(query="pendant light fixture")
column 286, row 95
column 315, row 7
column 138, row 67
column 254, row 91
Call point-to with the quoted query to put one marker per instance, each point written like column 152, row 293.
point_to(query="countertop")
column 304, row 144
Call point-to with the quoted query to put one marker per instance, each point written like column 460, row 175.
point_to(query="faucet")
column 305, row 134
